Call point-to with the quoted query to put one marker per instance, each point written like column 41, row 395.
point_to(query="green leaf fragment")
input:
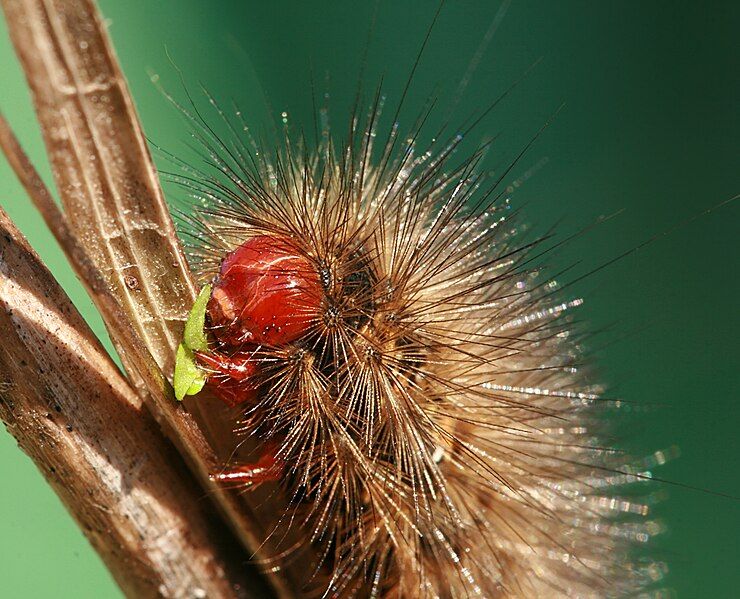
column 195, row 335
column 189, row 377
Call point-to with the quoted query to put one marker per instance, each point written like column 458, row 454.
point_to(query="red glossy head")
column 266, row 293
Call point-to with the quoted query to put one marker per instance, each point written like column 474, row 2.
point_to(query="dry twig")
column 74, row 414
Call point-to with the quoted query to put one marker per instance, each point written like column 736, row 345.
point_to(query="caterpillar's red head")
column 266, row 293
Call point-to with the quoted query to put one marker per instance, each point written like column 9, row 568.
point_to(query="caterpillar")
column 309, row 194
column 246, row 379
column 407, row 365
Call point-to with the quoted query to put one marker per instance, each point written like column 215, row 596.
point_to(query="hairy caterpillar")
column 407, row 364
column 695, row 319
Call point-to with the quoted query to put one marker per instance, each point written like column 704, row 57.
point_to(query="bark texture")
column 75, row 415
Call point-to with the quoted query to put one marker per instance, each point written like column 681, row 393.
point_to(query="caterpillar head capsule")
column 266, row 293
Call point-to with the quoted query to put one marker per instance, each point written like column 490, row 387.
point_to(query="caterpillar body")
column 393, row 341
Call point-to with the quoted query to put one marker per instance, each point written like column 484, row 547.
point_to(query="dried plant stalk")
column 129, row 344
column 105, row 178
column 115, row 207
column 74, row 414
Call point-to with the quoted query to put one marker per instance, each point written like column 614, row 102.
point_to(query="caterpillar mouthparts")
column 410, row 370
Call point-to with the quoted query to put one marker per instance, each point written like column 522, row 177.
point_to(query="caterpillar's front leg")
column 233, row 378
column 267, row 468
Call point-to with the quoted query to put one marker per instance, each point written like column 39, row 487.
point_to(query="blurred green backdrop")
column 650, row 125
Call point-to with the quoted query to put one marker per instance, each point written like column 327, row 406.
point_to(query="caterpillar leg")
column 233, row 377
column 266, row 469
column 233, row 380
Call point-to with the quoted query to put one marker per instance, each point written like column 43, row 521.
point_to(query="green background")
column 650, row 126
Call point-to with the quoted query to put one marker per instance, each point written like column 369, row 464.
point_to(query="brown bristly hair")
column 440, row 433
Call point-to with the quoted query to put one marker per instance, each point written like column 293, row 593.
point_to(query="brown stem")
column 74, row 414
column 130, row 344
